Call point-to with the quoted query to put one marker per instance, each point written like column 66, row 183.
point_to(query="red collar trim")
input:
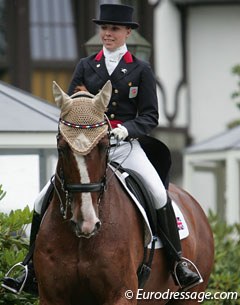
column 127, row 57
column 99, row 56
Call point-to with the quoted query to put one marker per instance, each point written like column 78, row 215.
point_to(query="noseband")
column 69, row 188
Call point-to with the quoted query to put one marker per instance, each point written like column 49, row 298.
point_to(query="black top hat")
column 116, row 14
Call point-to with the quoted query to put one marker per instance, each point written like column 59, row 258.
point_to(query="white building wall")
column 213, row 49
column 168, row 58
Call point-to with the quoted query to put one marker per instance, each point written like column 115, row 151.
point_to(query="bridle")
column 70, row 188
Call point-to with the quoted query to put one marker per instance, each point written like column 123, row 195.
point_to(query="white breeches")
column 135, row 158
column 132, row 157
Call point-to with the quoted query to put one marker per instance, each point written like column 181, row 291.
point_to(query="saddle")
column 136, row 186
column 160, row 157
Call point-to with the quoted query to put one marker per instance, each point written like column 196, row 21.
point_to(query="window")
column 52, row 33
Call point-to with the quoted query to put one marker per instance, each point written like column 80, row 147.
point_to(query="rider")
column 133, row 113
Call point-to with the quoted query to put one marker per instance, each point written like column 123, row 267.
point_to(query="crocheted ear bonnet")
column 82, row 120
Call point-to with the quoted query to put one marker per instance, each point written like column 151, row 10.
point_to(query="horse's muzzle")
column 85, row 229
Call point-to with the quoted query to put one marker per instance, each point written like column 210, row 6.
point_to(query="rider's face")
column 114, row 36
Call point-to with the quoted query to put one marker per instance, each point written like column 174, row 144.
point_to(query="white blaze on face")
column 88, row 213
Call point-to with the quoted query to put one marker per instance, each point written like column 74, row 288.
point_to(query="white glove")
column 120, row 132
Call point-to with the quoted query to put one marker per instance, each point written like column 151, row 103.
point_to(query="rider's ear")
column 61, row 98
column 103, row 97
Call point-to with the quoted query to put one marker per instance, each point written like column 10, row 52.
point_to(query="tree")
column 236, row 95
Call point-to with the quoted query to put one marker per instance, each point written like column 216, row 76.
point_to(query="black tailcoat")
column 134, row 99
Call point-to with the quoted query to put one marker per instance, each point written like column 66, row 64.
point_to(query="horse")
column 90, row 243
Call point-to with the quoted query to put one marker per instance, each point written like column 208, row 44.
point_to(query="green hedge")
column 226, row 273
column 13, row 248
column 224, row 278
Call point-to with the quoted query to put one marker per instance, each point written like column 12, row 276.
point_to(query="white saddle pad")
column 182, row 225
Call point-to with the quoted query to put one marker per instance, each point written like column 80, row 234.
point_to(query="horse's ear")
column 62, row 99
column 103, row 97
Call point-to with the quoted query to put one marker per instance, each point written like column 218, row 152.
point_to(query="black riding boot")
column 30, row 286
column 168, row 232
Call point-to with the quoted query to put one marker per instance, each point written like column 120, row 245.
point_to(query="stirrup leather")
column 192, row 267
column 25, row 267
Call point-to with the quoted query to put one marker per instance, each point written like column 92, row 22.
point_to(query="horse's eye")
column 103, row 147
column 60, row 151
column 62, row 148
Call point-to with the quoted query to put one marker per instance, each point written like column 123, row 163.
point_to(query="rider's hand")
column 120, row 132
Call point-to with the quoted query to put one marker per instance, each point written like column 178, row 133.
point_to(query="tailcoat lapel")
column 122, row 70
column 99, row 66
column 125, row 66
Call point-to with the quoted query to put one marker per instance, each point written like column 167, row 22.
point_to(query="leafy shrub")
column 225, row 275
column 13, row 248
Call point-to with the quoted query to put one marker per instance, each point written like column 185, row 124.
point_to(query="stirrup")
column 25, row 267
column 192, row 267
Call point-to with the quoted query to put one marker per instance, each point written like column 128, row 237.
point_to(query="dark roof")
column 22, row 111
column 228, row 140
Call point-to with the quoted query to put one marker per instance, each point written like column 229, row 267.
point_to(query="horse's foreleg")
column 125, row 295
column 121, row 301
column 43, row 301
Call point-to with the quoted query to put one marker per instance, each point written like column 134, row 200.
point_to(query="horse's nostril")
column 73, row 223
column 98, row 225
